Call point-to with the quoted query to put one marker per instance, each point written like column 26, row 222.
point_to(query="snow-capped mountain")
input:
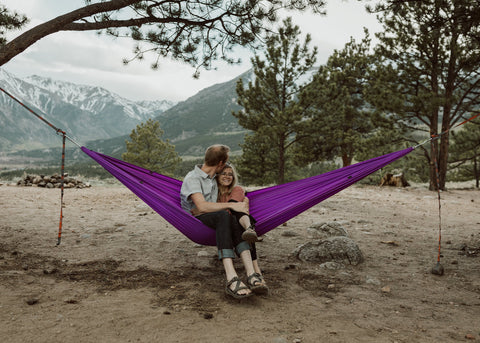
column 103, row 120
column 84, row 112
column 97, row 99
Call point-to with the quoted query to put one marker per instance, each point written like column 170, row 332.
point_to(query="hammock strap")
column 61, row 193
column 438, row 135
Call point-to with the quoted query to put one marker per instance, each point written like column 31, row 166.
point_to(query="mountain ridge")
column 84, row 112
column 90, row 114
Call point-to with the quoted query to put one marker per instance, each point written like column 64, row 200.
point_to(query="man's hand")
column 195, row 212
column 240, row 207
column 202, row 206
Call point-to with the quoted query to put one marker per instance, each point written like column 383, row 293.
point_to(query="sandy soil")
column 122, row 274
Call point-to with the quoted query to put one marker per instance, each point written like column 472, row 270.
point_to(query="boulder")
column 326, row 230
column 37, row 179
column 334, row 249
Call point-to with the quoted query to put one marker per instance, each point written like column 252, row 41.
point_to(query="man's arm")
column 203, row 206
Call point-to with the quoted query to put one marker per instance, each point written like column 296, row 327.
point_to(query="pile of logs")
column 53, row 181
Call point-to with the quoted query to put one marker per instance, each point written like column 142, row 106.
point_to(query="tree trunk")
column 433, row 151
column 435, row 81
column 443, row 161
column 476, row 172
column 442, row 152
column 28, row 38
column 346, row 159
column 281, row 164
column 347, row 154
column 433, row 165
column 447, row 106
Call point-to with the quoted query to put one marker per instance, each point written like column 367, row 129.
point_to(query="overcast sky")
column 87, row 58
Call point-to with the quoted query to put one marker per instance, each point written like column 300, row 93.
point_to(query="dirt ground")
column 122, row 274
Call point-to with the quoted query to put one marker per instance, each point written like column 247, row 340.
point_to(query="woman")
column 229, row 191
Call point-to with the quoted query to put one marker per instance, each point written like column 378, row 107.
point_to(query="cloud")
column 89, row 58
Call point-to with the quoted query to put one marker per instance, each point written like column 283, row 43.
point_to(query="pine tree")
column 10, row 21
column 271, row 108
column 147, row 149
column 434, row 47
column 465, row 151
column 258, row 162
column 341, row 120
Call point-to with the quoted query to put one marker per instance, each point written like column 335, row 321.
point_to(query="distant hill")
column 207, row 112
column 198, row 122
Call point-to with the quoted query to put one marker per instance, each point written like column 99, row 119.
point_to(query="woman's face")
column 226, row 177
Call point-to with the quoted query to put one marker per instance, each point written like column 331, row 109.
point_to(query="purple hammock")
column 271, row 206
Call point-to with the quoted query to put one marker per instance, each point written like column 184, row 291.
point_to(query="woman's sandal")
column 256, row 284
column 234, row 292
column 250, row 236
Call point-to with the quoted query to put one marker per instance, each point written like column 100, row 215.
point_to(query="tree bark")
column 346, row 159
column 476, row 172
column 435, row 75
column 28, row 38
column 447, row 107
column 433, row 150
column 281, row 162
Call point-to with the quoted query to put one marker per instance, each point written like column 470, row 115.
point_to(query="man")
column 199, row 196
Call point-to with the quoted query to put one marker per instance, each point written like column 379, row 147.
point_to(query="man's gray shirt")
column 197, row 181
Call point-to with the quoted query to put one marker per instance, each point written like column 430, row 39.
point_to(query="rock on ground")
column 337, row 249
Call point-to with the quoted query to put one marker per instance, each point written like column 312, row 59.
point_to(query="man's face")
column 220, row 166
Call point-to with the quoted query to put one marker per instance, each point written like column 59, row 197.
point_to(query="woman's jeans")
column 228, row 233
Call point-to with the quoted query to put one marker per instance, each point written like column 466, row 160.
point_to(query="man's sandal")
column 234, row 293
column 250, row 236
column 256, row 284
